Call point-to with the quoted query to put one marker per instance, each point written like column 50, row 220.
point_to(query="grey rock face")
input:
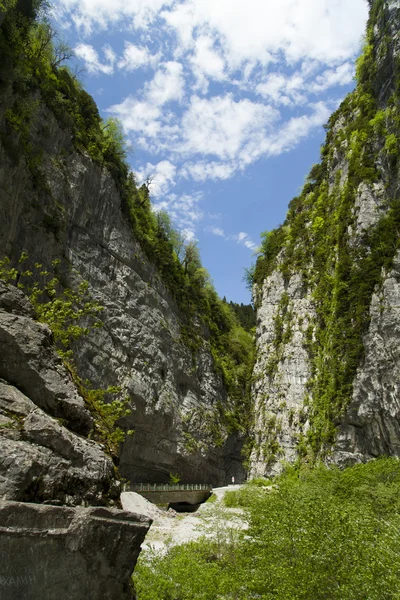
column 370, row 425
column 41, row 460
column 173, row 395
column 369, row 207
column 28, row 361
column 13, row 301
column 386, row 61
column 279, row 393
column 78, row 553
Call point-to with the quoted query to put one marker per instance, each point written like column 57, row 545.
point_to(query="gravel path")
column 167, row 531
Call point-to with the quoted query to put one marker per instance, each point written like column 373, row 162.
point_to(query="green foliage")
column 391, row 145
column 245, row 314
column 7, row 4
column 317, row 534
column 64, row 310
column 106, row 414
column 198, row 570
column 174, row 478
column 240, row 498
column 212, row 499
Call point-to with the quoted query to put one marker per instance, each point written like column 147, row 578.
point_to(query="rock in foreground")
column 50, row 552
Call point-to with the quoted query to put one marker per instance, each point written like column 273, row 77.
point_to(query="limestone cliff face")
column 60, row 533
column 327, row 287
column 75, row 214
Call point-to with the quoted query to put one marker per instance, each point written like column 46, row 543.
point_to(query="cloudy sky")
column 223, row 102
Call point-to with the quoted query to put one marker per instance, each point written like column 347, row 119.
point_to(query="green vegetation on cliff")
column 315, row 534
column 245, row 314
column 341, row 266
column 33, row 74
column 65, row 310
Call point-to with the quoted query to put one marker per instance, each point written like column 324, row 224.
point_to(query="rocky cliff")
column 327, row 284
column 51, row 545
column 59, row 203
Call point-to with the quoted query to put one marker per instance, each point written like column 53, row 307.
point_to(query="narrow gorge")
column 202, row 399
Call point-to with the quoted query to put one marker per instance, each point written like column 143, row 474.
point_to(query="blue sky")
column 223, row 103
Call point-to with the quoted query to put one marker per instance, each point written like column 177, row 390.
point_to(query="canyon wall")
column 74, row 213
column 327, row 286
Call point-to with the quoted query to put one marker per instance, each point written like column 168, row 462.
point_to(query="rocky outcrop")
column 65, row 553
column 75, row 215
column 281, row 373
column 30, row 362
column 47, row 551
column 371, row 425
column 326, row 376
column 44, row 456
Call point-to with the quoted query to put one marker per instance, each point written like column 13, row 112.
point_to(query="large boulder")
column 50, row 552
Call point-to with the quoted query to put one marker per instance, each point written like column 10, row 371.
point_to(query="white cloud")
column 161, row 177
column 216, row 231
column 167, row 84
column 241, row 238
column 247, row 30
column 188, row 234
column 185, row 211
column 342, row 75
column 88, row 15
column 203, row 170
column 283, row 90
column 143, row 114
column 92, row 61
column 139, row 116
column 259, row 31
column 244, row 239
column 135, row 57
column 222, row 127
column 206, row 63
column 295, row 130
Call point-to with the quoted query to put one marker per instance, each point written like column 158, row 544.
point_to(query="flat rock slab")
column 61, row 553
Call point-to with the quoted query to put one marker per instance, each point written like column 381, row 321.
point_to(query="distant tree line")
column 245, row 313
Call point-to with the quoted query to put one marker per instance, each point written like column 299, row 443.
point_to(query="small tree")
column 113, row 143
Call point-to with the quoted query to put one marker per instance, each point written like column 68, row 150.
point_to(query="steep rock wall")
column 327, row 293
column 74, row 213
column 58, row 535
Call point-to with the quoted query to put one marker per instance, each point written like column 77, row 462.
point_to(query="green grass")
column 320, row 534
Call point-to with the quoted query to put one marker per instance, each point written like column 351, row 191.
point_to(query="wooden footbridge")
column 174, row 494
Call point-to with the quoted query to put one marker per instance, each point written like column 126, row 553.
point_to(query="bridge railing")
column 168, row 487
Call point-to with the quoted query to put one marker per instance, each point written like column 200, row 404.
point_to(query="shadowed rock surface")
column 43, row 455
column 53, row 552
column 49, row 551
